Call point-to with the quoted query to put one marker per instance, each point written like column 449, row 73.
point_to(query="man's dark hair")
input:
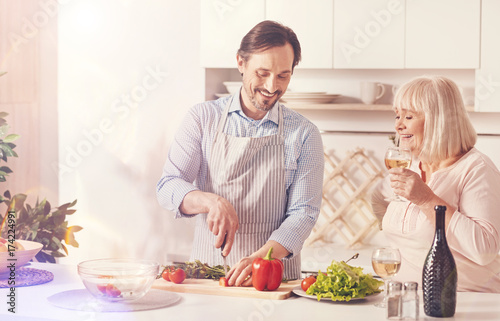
column 269, row 34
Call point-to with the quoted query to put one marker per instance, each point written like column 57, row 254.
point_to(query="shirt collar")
column 271, row 115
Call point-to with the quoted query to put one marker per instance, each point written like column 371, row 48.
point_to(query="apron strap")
column 222, row 121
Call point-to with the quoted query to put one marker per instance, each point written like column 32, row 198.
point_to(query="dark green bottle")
column 439, row 276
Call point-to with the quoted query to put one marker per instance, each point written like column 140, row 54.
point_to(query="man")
column 258, row 166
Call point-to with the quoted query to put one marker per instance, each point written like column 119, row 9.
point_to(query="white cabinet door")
column 487, row 95
column 312, row 21
column 223, row 25
column 442, row 33
column 368, row 34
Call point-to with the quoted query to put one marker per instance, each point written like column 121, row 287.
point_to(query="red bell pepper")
column 267, row 272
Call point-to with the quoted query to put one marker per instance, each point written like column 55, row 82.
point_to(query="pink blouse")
column 472, row 185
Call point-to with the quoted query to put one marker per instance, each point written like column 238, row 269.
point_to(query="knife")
column 223, row 257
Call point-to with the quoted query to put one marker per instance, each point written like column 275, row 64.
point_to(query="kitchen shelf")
column 339, row 107
column 349, row 107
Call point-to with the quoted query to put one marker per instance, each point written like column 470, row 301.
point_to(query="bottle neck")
column 440, row 220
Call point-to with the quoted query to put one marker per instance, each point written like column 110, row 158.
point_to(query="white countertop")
column 32, row 304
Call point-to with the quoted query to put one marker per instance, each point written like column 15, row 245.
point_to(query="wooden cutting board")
column 212, row 287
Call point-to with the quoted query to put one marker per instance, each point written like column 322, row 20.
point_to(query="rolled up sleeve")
column 182, row 165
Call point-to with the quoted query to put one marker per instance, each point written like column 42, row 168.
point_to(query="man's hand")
column 221, row 219
column 223, row 222
column 241, row 273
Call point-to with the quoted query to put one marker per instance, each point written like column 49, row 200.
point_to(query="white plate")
column 304, row 94
column 309, row 98
column 298, row 291
column 325, row 100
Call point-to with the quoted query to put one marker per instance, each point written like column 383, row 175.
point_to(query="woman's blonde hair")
column 448, row 131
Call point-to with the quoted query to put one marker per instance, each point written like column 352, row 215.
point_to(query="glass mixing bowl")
column 118, row 280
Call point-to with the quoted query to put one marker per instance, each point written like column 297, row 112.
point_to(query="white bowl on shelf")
column 232, row 86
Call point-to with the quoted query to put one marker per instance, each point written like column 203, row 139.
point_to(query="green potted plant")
column 40, row 223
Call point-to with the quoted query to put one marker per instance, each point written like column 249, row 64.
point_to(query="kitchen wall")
column 127, row 72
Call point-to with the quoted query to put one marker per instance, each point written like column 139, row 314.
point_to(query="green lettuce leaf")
column 343, row 282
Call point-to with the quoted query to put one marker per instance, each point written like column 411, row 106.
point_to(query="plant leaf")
column 7, row 150
column 57, row 254
column 58, row 218
column 70, row 237
column 65, row 248
column 75, row 228
column 6, row 194
column 48, row 257
column 46, row 207
column 3, row 130
column 5, row 169
column 42, row 256
column 10, row 138
column 20, row 198
column 56, row 241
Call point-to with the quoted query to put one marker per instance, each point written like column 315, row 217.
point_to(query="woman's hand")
column 410, row 185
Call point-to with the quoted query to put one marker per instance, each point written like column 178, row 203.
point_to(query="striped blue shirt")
column 186, row 167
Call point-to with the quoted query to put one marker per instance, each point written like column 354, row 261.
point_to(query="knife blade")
column 223, row 257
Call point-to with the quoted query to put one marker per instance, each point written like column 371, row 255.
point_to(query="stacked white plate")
column 308, row 97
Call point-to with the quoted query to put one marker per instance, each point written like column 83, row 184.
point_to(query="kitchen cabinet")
column 223, row 24
column 312, row 21
column 412, row 34
column 442, row 34
column 369, row 34
column 487, row 93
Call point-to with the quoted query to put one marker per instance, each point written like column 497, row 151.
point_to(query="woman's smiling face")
column 410, row 127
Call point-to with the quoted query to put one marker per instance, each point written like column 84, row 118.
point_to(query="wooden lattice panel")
column 346, row 215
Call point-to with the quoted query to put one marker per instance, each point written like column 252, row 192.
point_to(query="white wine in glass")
column 386, row 263
column 397, row 157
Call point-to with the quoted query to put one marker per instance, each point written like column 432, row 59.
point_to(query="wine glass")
column 397, row 157
column 386, row 262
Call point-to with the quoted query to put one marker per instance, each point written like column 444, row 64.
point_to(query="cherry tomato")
column 223, row 282
column 102, row 288
column 112, row 291
column 307, row 282
column 177, row 276
column 165, row 275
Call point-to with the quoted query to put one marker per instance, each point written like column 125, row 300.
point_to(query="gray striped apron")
column 250, row 173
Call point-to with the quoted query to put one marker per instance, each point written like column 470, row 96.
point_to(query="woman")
column 447, row 170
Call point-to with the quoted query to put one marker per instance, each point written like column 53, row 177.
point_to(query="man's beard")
column 267, row 104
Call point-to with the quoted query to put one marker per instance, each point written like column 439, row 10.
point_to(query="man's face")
column 266, row 76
